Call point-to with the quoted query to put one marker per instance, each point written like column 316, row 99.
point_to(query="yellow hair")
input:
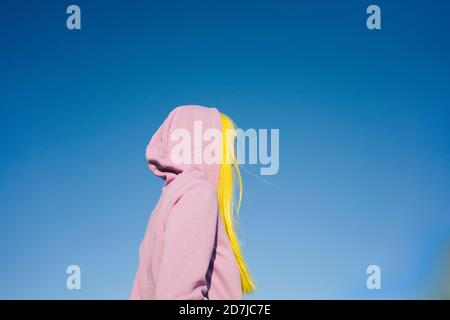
column 226, row 201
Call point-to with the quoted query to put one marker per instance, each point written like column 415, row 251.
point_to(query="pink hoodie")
column 185, row 253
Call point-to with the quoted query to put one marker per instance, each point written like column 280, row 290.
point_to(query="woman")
column 190, row 249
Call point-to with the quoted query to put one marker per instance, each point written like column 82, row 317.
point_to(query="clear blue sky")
column 364, row 119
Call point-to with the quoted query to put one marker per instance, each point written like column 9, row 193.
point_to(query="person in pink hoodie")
column 190, row 249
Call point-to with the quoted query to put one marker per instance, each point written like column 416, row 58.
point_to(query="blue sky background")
column 364, row 119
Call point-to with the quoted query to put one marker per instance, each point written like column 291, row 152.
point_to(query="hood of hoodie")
column 159, row 149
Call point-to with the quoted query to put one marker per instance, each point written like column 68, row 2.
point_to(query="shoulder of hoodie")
column 192, row 187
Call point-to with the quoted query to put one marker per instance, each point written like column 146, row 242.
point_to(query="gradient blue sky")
column 364, row 119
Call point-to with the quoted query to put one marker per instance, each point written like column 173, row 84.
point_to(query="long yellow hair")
column 229, row 178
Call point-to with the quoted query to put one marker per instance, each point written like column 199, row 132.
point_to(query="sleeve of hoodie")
column 189, row 240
